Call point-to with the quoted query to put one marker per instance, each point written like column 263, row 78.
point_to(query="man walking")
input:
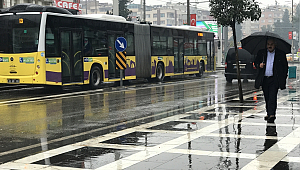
column 272, row 74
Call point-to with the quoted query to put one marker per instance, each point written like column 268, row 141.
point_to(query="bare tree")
column 230, row 12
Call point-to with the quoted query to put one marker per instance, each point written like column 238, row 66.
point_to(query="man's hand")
column 261, row 65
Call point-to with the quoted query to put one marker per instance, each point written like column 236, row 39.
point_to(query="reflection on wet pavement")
column 167, row 161
column 176, row 134
column 87, row 157
column 181, row 126
column 224, row 144
column 143, row 139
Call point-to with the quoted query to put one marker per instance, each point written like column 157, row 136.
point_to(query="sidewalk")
column 226, row 135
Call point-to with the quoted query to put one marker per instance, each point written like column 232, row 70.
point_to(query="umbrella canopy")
column 258, row 40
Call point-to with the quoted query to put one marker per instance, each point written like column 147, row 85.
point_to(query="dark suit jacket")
column 280, row 68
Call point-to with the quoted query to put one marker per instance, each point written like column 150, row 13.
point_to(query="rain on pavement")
column 181, row 124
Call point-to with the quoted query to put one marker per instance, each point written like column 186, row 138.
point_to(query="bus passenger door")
column 210, row 56
column 178, row 55
column 71, row 55
column 112, row 71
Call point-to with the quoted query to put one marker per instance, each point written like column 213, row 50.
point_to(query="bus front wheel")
column 160, row 72
column 95, row 77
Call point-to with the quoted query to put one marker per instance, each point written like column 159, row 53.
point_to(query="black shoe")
column 271, row 119
column 271, row 134
column 266, row 118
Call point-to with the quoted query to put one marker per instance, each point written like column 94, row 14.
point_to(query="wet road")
column 98, row 129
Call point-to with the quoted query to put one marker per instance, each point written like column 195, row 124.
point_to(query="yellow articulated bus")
column 49, row 46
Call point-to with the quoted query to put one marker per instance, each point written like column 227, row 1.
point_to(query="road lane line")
column 164, row 147
column 48, row 154
column 184, row 139
column 276, row 153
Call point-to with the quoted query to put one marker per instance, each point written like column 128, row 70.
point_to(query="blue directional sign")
column 121, row 44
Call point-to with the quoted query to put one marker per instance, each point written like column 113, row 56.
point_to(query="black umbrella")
column 258, row 40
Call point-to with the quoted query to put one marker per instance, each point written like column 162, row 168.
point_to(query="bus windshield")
column 19, row 33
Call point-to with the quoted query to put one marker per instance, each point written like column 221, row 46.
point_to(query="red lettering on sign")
column 68, row 5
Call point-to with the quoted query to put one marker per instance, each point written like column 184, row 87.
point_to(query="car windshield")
column 19, row 33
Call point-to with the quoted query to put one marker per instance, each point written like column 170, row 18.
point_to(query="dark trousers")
column 270, row 90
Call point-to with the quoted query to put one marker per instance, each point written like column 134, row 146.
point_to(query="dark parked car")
column 246, row 62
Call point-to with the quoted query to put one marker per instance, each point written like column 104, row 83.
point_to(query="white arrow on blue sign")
column 121, row 44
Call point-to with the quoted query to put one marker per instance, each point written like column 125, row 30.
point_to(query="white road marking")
column 276, row 153
column 267, row 159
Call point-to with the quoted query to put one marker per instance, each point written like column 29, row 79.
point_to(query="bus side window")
column 101, row 45
column 170, row 49
column 130, row 44
column 201, row 47
column 50, row 45
column 87, row 49
column 97, row 42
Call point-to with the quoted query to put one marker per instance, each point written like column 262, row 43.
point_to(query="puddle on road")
column 227, row 144
column 286, row 165
column 247, row 102
column 87, row 157
column 255, row 130
column 181, row 126
column 209, row 116
column 143, row 138
column 230, row 109
column 189, row 161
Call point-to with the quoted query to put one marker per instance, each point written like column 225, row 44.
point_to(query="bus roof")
column 184, row 27
column 34, row 8
column 106, row 16
column 103, row 17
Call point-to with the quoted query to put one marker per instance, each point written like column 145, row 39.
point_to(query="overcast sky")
column 205, row 5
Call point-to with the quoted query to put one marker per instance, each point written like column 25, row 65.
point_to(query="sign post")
column 121, row 45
